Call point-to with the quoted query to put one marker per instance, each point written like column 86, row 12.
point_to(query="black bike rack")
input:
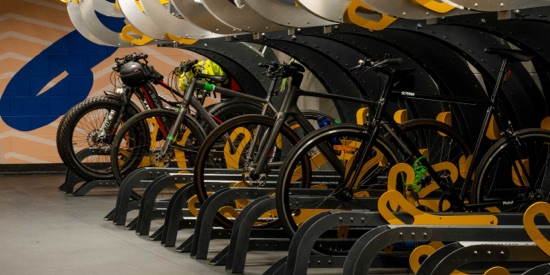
column 71, row 179
column 139, row 178
column 149, row 204
column 365, row 250
column 370, row 233
column 444, row 260
column 300, row 255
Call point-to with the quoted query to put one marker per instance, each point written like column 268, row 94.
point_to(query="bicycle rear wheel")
column 80, row 129
column 138, row 143
column 513, row 174
column 446, row 151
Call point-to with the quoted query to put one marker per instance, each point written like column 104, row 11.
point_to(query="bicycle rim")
column 448, row 154
column 138, row 144
column 80, row 130
column 227, row 151
column 307, row 161
column 514, row 175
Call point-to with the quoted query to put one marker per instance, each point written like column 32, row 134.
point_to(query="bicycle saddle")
column 213, row 78
column 516, row 55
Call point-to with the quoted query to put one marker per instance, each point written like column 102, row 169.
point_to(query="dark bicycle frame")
column 382, row 119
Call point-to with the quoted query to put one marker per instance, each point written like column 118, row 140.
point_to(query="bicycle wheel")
column 226, row 157
column 439, row 143
column 230, row 109
column 80, row 129
column 446, row 151
column 138, row 143
column 513, row 174
column 342, row 141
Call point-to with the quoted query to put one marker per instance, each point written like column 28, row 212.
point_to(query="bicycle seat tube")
column 348, row 182
column 491, row 111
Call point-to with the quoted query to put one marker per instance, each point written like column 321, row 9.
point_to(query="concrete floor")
column 44, row 231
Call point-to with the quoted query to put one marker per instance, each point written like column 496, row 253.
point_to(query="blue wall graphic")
column 22, row 108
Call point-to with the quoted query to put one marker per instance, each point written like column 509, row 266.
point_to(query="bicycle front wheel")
column 514, row 173
column 329, row 152
column 138, row 143
column 81, row 129
column 229, row 153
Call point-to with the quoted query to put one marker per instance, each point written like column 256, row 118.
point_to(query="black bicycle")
column 510, row 176
column 164, row 138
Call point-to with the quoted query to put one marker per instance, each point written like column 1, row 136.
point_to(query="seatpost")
column 485, row 125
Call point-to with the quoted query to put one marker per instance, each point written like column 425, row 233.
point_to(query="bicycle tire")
column 139, row 140
column 441, row 143
column 343, row 139
column 226, row 110
column 78, row 130
column 215, row 152
column 496, row 180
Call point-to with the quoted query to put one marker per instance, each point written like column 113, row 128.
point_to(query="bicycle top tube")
column 228, row 92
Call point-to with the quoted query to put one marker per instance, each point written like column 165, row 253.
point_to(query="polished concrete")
column 45, row 231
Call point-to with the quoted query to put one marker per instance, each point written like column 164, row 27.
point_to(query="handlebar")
column 185, row 66
column 371, row 64
column 281, row 70
column 119, row 61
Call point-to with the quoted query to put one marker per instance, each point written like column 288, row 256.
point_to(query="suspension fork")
column 183, row 107
column 108, row 128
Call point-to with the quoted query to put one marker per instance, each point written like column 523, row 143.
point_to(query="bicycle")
column 92, row 123
column 169, row 139
column 368, row 165
column 255, row 146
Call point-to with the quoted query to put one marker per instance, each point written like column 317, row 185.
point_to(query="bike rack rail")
column 71, row 179
column 508, row 241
